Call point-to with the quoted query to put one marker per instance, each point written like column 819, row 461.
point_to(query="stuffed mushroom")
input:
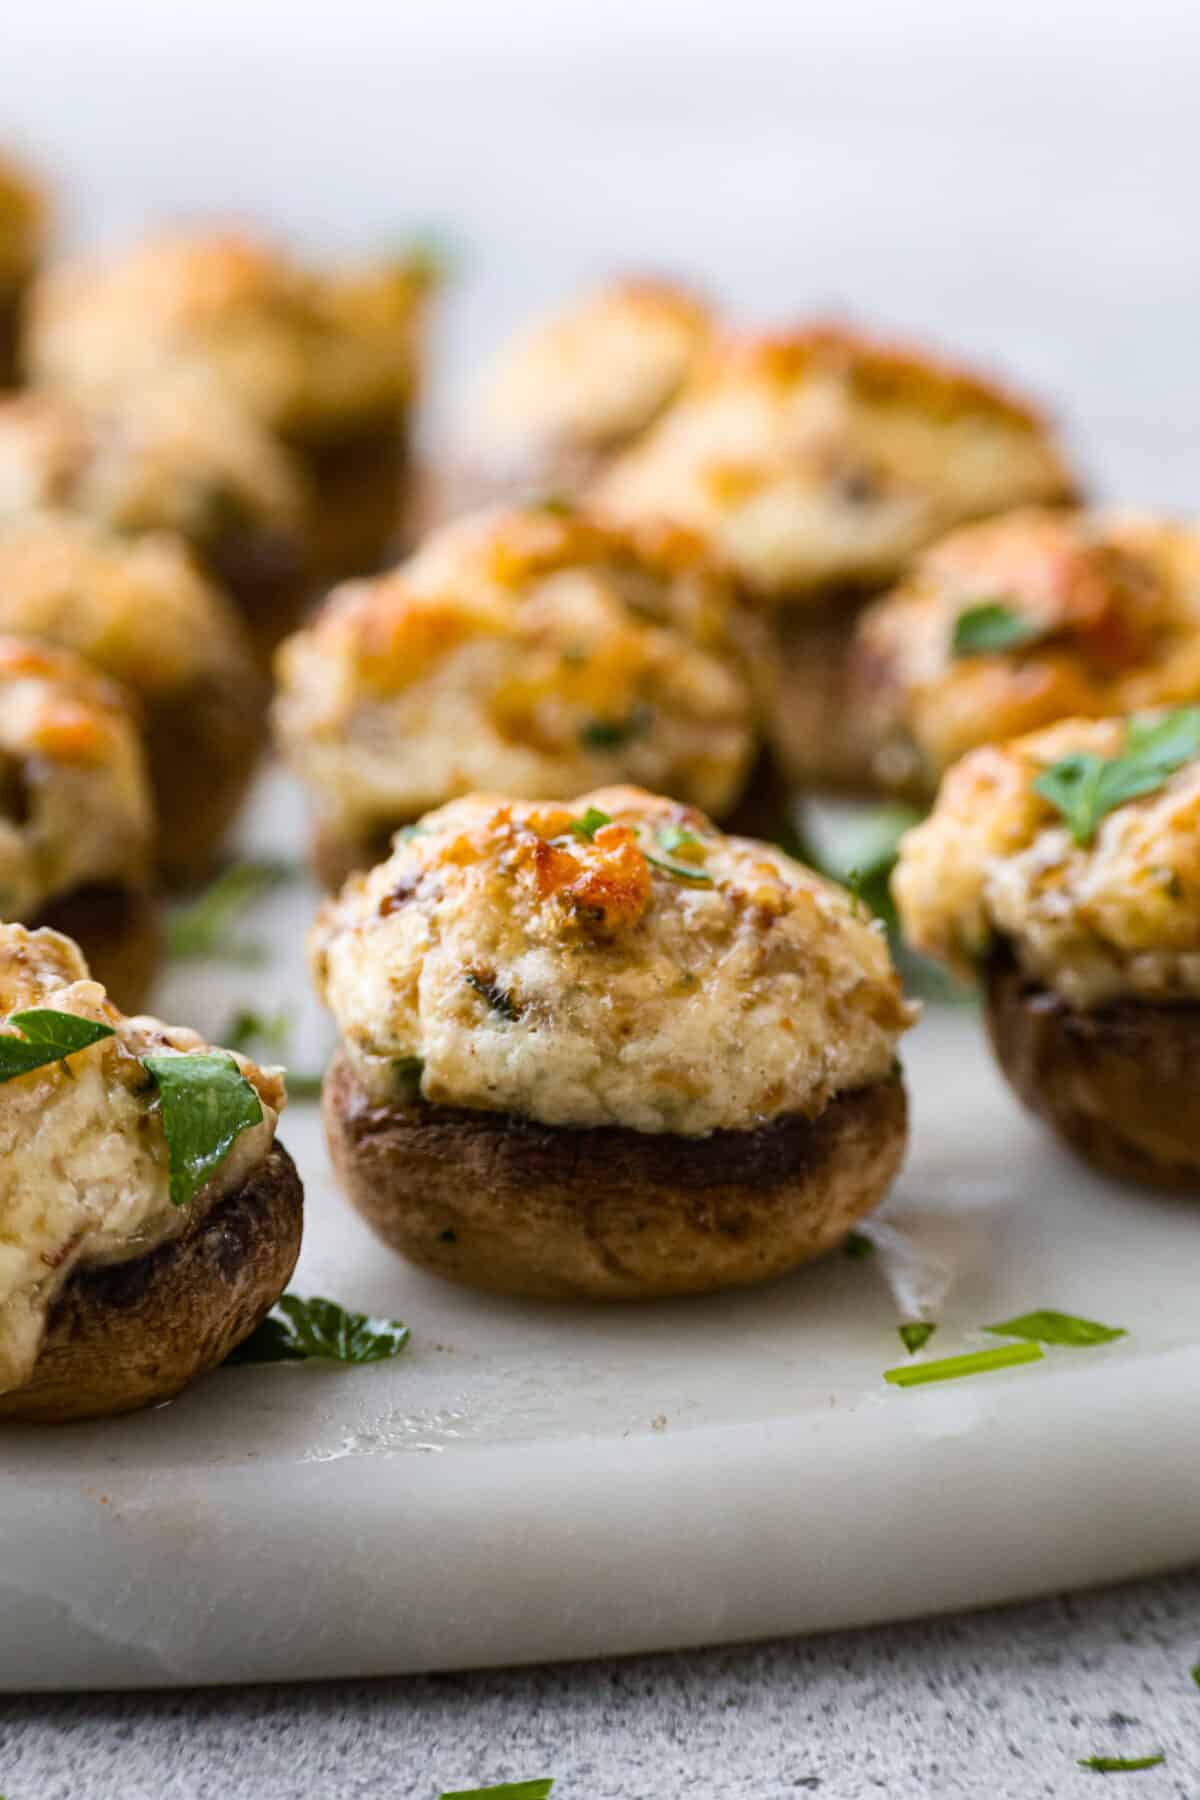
column 142, row 613
column 599, row 1050
column 556, row 404
column 148, row 1217
column 1009, row 625
column 24, row 226
column 816, row 463
column 1064, row 868
column 538, row 650
column 327, row 360
column 180, row 456
column 76, row 819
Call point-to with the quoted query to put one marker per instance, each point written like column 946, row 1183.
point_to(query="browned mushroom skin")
column 1118, row 1083
column 126, row 1335
column 514, row 1207
column 119, row 930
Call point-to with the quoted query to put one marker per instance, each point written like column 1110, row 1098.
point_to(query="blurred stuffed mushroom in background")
column 141, row 612
column 77, row 837
column 536, row 651
column 597, row 1049
column 328, row 360
column 175, row 455
column 557, row 402
column 816, row 462
column 1006, row 626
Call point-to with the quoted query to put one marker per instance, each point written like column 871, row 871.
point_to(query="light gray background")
column 1017, row 180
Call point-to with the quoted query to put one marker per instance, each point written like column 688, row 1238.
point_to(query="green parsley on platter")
column 1050, row 1327
column 315, row 1329
column 915, row 1334
column 975, row 1362
column 205, row 925
column 1120, row 1765
column 508, row 1790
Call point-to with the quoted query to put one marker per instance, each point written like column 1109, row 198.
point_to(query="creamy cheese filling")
column 83, row 1155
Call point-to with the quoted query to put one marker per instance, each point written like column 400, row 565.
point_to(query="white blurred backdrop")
column 1018, row 180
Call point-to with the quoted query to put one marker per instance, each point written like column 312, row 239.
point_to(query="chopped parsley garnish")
column 676, row 837
column 857, row 1247
column 1083, row 787
column 206, row 1103
column 508, row 1790
column 498, row 998
column 614, row 734
column 46, row 1037
column 1195, row 1673
column 203, row 927
column 672, row 838
column 1120, row 1765
column 592, row 821
column 992, row 626
column 407, row 833
column 916, row 1334
column 560, row 506
column 976, row 1362
column 1049, row 1327
column 303, row 1330
column 680, row 871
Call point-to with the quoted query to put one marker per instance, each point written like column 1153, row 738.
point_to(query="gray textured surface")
column 995, row 1706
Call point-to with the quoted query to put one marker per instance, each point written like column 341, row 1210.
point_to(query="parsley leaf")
column 203, row 927
column 303, row 1330
column 614, row 734
column 976, row 1362
column 676, row 837
column 206, row 1103
column 1116, row 1765
column 680, row 871
column 47, row 1037
column 857, row 1247
column 916, row 1334
column 592, row 821
column 508, row 1790
column 992, row 626
column 1049, row 1327
column 1083, row 787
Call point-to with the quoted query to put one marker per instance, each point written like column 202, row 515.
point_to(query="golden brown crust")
column 119, row 931
column 136, row 1333
column 1118, row 1083
column 500, row 1203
